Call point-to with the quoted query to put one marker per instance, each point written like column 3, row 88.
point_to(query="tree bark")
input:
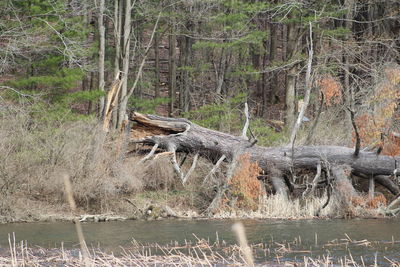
column 156, row 65
column 118, row 9
column 186, row 54
column 273, row 51
column 348, row 91
column 172, row 69
column 102, row 49
column 186, row 136
column 290, row 97
column 308, row 91
column 125, row 62
column 293, row 36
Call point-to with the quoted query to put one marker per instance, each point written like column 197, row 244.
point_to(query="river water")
column 312, row 238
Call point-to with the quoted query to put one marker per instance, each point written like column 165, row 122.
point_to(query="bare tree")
column 102, row 48
column 125, row 62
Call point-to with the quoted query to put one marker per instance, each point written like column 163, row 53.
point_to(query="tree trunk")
column 186, row 136
column 156, row 65
column 256, row 58
column 273, row 50
column 118, row 11
column 186, row 54
column 348, row 91
column 172, row 69
column 290, row 97
column 102, row 48
column 290, row 90
column 125, row 63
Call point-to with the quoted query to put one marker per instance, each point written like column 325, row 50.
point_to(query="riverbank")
column 175, row 205
column 112, row 180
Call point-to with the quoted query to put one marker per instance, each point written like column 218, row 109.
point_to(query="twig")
column 16, row 91
column 134, row 205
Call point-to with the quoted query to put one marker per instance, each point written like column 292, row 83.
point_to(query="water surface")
column 305, row 237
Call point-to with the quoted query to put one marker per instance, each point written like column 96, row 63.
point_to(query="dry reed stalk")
column 242, row 239
column 173, row 256
column 13, row 250
column 71, row 201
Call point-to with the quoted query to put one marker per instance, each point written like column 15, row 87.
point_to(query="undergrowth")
column 36, row 153
column 244, row 187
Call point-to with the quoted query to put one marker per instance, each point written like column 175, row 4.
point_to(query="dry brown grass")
column 35, row 153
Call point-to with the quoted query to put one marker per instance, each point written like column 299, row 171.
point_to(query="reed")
column 201, row 252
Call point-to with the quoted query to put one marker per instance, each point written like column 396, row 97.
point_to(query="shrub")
column 379, row 120
column 331, row 89
column 244, row 186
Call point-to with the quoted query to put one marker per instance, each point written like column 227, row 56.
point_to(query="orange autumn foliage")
column 384, row 104
column 371, row 203
column 377, row 201
column 392, row 146
column 244, row 185
column 331, row 89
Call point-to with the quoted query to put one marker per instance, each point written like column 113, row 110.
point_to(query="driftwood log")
column 181, row 135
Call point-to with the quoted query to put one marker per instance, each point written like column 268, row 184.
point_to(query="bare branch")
column 358, row 139
column 214, row 169
column 15, row 91
column 314, row 182
column 247, row 123
column 151, row 153
column 196, row 157
column 171, row 148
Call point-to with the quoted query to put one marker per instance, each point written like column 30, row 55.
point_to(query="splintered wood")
column 140, row 131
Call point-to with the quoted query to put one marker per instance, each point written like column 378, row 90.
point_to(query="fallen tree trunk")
column 181, row 135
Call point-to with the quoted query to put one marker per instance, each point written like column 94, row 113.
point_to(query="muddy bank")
column 154, row 207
